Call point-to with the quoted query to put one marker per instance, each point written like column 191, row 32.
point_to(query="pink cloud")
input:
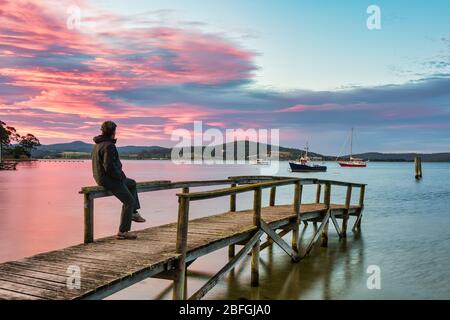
column 60, row 73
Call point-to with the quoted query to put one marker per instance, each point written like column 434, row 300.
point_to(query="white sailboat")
column 352, row 162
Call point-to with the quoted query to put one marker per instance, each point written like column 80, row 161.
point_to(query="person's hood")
column 101, row 138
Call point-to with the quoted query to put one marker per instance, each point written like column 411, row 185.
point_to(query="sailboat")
column 302, row 164
column 352, row 162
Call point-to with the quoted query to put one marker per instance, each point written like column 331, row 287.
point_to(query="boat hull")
column 297, row 167
column 352, row 165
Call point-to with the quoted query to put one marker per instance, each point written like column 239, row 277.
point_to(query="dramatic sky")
column 309, row 68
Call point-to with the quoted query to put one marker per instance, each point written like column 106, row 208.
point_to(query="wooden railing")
column 256, row 187
column 238, row 185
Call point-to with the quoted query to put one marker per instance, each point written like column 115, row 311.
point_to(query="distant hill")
column 56, row 150
column 155, row 152
column 430, row 157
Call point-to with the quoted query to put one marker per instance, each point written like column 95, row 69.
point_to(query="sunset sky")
column 309, row 68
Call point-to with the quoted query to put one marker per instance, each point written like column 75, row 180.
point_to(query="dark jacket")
column 106, row 165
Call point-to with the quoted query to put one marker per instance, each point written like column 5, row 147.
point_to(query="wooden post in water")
column 418, row 167
column 297, row 201
column 318, row 191
column 348, row 200
column 273, row 194
column 231, row 248
column 88, row 219
column 362, row 194
column 179, row 284
column 256, row 247
column 327, row 200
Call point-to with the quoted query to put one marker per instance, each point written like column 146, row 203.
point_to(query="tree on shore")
column 24, row 144
column 27, row 143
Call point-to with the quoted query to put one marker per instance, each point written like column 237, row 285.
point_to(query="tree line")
column 15, row 145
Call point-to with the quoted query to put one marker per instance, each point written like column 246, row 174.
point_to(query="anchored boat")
column 353, row 162
column 303, row 164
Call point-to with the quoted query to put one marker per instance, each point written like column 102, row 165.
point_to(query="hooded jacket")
column 106, row 165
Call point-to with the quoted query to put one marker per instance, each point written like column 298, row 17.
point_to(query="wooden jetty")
column 108, row 265
column 8, row 165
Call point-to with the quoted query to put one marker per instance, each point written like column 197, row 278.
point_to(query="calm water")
column 406, row 230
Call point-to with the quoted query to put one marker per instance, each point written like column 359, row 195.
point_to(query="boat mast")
column 307, row 149
column 351, row 144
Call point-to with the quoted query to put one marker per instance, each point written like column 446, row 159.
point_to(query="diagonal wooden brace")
column 316, row 234
column 229, row 266
column 279, row 241
column 336, row 225
column 357, row 225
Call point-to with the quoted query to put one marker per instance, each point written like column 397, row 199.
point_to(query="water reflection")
column 327, row 273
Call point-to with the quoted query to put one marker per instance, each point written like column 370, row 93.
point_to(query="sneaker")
column 126, row 236
column 138, row 218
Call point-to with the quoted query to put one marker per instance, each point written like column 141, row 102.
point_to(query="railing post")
column 88, row 219
column 348, row 199
column 179, row 284
column 231, row 248
column 256, row 247
column 318, row 191
column 297, row 201
column 233, row 199
column 327, row 200
column 273, row 194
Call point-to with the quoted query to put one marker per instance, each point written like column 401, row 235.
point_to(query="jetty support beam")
column 357, row 225
column 88, row 219
column 327, row 200
column 256, row 246
column 180, row 284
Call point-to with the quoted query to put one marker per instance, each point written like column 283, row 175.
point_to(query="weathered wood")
column 231, row 248
column 269, row 242
column 348, row 199
column 327, row 199
column 196, row 196
column 418, row 168
column 361, row 196
column 255, row 264
column 316, row 234
column 257, row 207
column 273, row 194
column 318, row 192
column 229, row 266
column 296, row 206
column 8, row 165
column 231, row 251
column 88, row 219
column 357, row 224
column 340, row 183
column 256, row 247
column 233, row 199
column 336, row 224
column 179, row 289
column 279, row 241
